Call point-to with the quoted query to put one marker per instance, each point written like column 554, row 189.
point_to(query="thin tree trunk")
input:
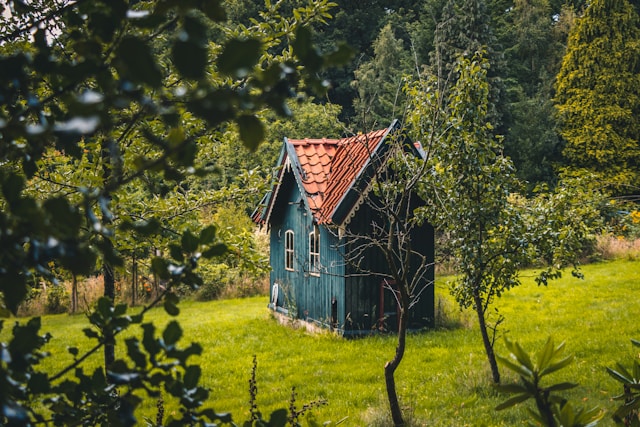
column 107, row 269
column 109, row 292
column 74, row 294
column 493, row 363
column 390, row 369
column 134, row 280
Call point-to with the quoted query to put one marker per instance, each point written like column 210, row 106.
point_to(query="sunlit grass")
column 443, row 380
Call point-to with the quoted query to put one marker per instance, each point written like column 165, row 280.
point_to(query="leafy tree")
column 598, row 94
column 130, row 93
column 391, row 235
column 471, row 193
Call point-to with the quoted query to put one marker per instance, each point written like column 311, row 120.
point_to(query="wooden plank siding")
column 363, row 292
column 301, row 294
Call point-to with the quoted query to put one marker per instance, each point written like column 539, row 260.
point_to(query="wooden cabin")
column 317, row 195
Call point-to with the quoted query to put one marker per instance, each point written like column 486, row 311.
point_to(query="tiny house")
column 318, row 194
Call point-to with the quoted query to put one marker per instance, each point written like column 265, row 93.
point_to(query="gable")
column 331, row 174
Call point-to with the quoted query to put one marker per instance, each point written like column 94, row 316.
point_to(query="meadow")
column 444, row 378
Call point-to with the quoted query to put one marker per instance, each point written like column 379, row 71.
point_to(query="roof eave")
column 272, row 194
column 349, row 200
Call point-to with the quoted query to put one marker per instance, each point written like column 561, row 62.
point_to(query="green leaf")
column 135, row 354
column 511, row 388
column 278, row 418
column 171, row 304
column 90, row 333
column 176, row 251
column 214, row 10
column 172, row 333
column 251, row 131
column 207, row 235
column 190, row 58
column 516, row 367
column 12, row 187
column 522, row 356
column 238, row 57
column 556, row 366
column 192, row 376
column 546, row 354
column 135, row 61
column 304, row 49
column 189, row 242
column 341, row 56
column 619, row 377
column 159, row 266
column 513, row 401
column 218, row 249
column 562, row 386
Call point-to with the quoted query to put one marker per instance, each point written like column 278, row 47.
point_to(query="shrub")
column 57, row 300
column 214, row 278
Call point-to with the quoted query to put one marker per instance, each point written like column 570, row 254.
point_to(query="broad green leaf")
column 618, row 376
column 218, row 249
column 135, row 61
column 561, row 386
column 12, row 187
column 238, row 57
column 189, row 242
column 556, row 366
column 512, row 401
column 251, row 131
column 171, row 301
column 511, row 388
column 192, row 376
column 304, row 49
column 176, row 252
column 207, row 235
column 514, row 366
column 214, row 10
column 190, row 58
column 341, row 56
column 172, row 333
column 160, row 266
column 546, row 354
column 522, row 357
column 90, row 333
column 278, row 418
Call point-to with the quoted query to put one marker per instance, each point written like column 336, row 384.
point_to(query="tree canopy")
column 598, row 94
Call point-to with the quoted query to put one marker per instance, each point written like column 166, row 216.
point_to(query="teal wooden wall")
column 302, row 294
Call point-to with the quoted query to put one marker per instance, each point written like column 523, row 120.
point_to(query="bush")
column 58, row 300
column 215, row 279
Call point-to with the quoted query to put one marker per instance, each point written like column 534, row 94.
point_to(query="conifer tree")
column 598, row 94
column 379, row 81
column 465, row 29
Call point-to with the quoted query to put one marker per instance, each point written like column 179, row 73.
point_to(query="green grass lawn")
column 444, row 379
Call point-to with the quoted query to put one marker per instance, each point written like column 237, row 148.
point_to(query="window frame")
column 314, row 252
column 289, row 250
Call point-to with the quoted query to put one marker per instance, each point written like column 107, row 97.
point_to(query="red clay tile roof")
column 331, row 166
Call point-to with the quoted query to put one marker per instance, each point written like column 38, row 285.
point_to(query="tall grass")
column 444, row 379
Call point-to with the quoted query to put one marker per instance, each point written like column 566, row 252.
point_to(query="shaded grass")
column 444, row 379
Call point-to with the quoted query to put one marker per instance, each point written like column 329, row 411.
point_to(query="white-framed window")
column 288, row 250
column 314, row 252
